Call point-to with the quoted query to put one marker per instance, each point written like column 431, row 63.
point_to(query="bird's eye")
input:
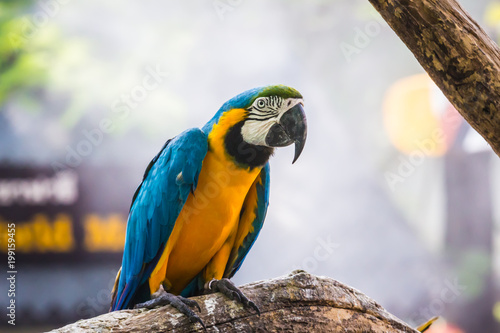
column 261, row 103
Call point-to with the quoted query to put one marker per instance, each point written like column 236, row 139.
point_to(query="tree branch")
column 299, row 302
column 458, row 55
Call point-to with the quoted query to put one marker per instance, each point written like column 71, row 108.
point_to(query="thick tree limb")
column 458, row 55
column 299, row 302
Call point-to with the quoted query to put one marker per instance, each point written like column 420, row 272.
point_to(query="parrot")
column 202, row 203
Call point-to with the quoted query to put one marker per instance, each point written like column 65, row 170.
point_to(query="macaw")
column 203, row 200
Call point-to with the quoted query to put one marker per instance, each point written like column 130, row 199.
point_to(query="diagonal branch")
column 458, row 55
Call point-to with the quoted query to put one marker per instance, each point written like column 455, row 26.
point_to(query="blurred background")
column 394, row 193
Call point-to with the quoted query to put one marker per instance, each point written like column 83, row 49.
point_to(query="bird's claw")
column 182, row 304
column 189, row 302
column 226, row 287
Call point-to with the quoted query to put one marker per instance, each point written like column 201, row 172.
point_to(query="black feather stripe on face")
column 245, row 154
column 262, row 118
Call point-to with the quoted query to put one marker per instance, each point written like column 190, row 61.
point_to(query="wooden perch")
column 457, row 54
column 299, row 302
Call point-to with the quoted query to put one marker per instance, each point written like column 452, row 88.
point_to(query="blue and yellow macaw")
column 203, row 200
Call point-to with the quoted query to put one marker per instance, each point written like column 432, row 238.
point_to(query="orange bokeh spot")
column 417, row 115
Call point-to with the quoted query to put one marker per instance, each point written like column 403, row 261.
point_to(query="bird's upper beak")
column 291, row 127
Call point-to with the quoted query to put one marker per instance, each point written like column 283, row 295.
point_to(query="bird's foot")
column 182, row 304
column 226, row 287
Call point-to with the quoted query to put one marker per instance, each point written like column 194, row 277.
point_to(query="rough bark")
column 299, row 302
column 458, row 55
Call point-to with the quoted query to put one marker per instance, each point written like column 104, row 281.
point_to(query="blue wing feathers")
column 155, row 207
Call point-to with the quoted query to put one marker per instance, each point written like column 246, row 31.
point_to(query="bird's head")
column 262, row 119
column 276, row 118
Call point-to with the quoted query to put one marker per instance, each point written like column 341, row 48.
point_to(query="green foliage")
column 22, row 63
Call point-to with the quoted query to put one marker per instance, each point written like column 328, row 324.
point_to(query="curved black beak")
column 292, row 127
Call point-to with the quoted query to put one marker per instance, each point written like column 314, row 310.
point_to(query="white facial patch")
column 263, row 114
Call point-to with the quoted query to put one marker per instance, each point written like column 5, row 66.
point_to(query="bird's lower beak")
column 292, row 127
